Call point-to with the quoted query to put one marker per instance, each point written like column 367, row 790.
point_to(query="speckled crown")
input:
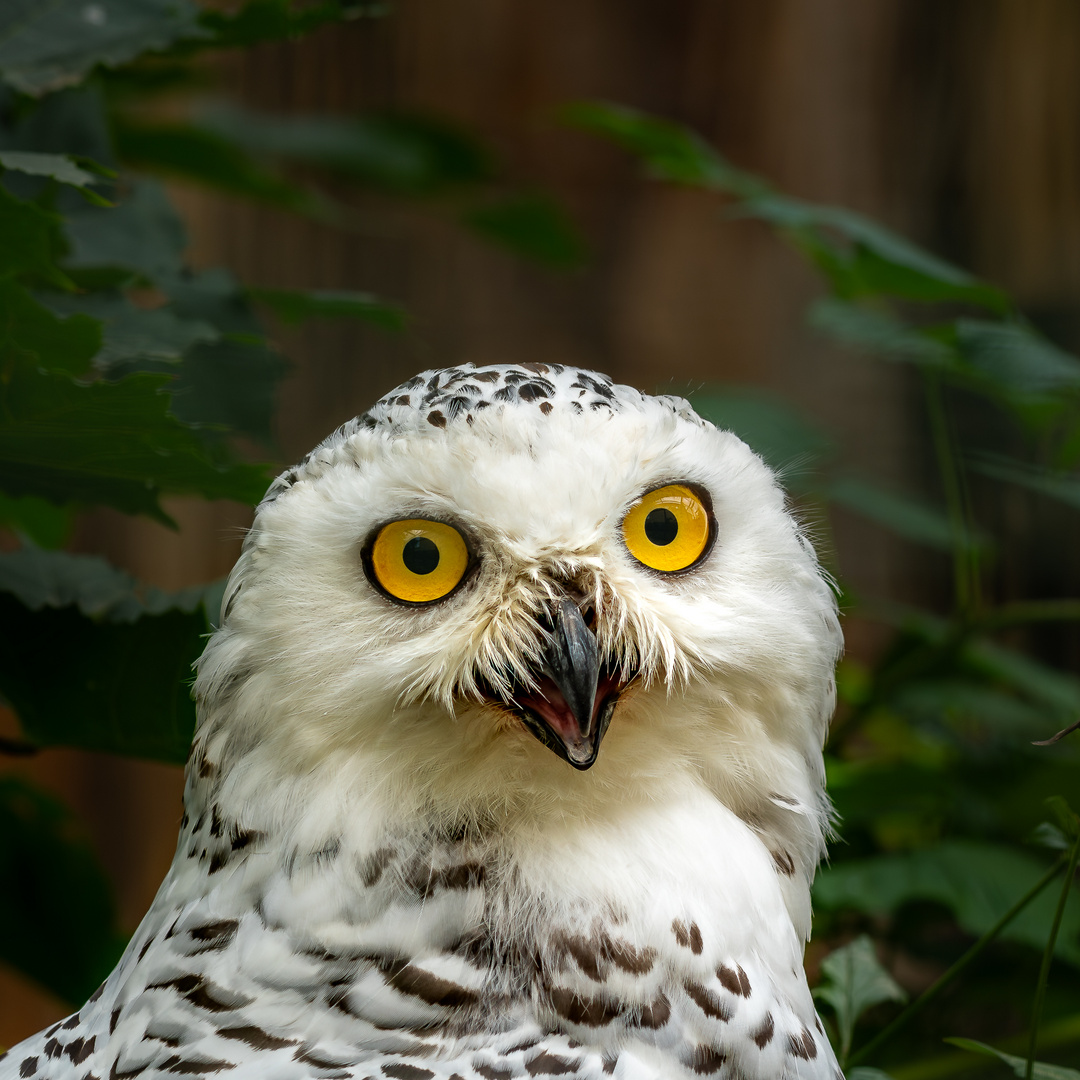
column 451, row 396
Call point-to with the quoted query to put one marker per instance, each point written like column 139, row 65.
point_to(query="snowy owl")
column 508, row 762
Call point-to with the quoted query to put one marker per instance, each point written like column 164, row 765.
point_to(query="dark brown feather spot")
column 202, row 994
column 425, row 881
column 256, row 1037
column 242, row 837
column 217, row 934
column 80, row 1049
column 492, row 1072
column 689, row 937
column 657, row 1014
column 195, row 1067
column 546, row 1064
column 310, row 1057
column 595, row 953
column 436, row 419
column 402, row 1071
column 707, row 1001
column 707, row 1059
column 625, row 956
column 373, row 866
column 590, row 1012
column 802, row 1045
column 430, row 988
column 735, row 980
column 784, row 862
column 763, row 1035
column 28, row 1066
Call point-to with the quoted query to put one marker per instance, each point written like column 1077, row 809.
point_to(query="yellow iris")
column 667, row 529
column 418, row 561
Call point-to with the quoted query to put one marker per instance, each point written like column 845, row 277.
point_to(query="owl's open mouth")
column 576, row 690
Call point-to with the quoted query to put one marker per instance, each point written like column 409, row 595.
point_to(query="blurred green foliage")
column 126, row 376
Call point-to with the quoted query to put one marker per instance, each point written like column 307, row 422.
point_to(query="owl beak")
column 571, row 706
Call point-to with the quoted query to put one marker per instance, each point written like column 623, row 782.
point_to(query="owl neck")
column 310, row 853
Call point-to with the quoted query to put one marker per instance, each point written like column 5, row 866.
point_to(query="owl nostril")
column 589, row 615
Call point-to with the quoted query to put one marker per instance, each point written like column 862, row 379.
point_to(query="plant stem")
column 1048, row 955
column 932, row 991
column 965, row 577
column 1030, row 611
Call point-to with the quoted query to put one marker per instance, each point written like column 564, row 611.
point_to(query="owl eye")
column 417, row 561
column 668, row 529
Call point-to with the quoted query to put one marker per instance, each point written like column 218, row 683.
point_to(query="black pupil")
column 421, row 555
column 661, row 527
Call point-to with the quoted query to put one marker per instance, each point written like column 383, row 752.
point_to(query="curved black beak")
column 571, row 707
column 572, row 662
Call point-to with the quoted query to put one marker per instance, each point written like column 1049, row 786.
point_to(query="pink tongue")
column 549, row 703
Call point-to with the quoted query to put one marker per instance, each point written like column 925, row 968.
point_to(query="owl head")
column 517, row 587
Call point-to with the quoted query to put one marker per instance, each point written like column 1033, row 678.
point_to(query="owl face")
column 511, row 575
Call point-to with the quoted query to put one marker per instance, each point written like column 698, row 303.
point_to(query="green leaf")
column 1015, row 359
column 530, row 225
column 32, row 336
column 37, row 520
column 57, row 579
column 47, row 46
column 1050, row 836
column 31, row 240
column 865, row 258
column 1054, row 690
column 867, row 1072
column 979, row 704
column 297, row 306
column 232, row 381
column 1067, row 818
column 143, row 234
column 58, row 921
column 1062, row 486
column 977, row 882
column 191, row 152
column 208, row 338
column 783, row 436
column 669, row 151
column 60, row 167
column 877, row 330
column 1042, row 1070
column 111, row 444
column 273, row 20
column 907, row 517
column 398, row 153
column 856, row 982
column 133, row 334
column 70, row 123
column 97, row 661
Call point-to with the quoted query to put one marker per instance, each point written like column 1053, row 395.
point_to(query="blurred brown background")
column 954, row 121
